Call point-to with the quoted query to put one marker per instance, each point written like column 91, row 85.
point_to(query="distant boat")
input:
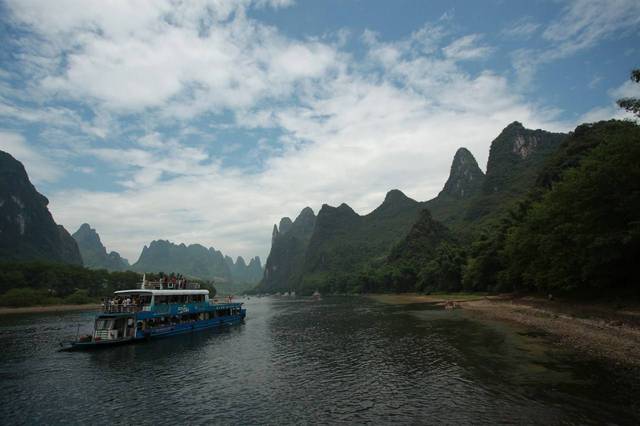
column 316, row 295
column 293, row 294
column 286, row 294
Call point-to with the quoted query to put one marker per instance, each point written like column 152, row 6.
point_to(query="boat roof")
column 162, row 292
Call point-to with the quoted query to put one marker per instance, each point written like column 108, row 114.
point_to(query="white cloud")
column 56, row 117
column 467, row 48
column 595, row 81
column 582, row 24
column 184, row 57
column 158, row 159
column 347, row 130
column 586, row 22
column 349, row 139
column 628, row 89
column 39, row 167
column 523, row 28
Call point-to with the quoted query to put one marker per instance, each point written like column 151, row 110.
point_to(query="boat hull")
column 155, row 333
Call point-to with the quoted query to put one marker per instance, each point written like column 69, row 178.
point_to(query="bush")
column 20, row 297
column 79, row 297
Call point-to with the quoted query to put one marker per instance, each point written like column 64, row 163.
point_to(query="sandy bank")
column 50, row 308
column 606, row 331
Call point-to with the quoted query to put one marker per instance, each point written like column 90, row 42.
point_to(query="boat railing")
column 170, row 285
column 117, row 308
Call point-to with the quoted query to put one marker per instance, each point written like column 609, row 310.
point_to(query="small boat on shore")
column 156, row 309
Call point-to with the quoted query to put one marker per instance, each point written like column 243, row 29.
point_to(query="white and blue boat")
column 157, row 309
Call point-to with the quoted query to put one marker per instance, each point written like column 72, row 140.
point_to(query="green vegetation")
column 583, row 233
column 554, row 213
column 42, row 284
column 632, row 104
column 577, row 230
column 344, row 243
column 283, row 268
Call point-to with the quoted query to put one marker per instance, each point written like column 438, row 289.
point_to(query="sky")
column 206, row 121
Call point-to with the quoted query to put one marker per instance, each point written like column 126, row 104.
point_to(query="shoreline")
column 49, row 308
column 601, row 330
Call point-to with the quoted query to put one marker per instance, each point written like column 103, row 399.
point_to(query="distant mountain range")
column 164, row 256
column 196, row 260
column 29, row 233
column 478, row 233
column 94, row 254
column 319, row 252
column 27, row 229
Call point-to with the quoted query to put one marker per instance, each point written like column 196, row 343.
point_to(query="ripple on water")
column 293, row 361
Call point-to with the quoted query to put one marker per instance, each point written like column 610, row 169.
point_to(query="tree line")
column 45, row 283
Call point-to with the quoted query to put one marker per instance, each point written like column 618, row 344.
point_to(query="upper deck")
column 163, row 297
column 177, row 292
column 162, row 302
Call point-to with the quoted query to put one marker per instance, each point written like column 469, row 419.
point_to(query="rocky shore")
column 608, row 331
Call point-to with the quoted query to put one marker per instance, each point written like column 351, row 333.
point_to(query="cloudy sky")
column 207, row 121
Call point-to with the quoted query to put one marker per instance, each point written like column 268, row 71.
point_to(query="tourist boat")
column 157, row 309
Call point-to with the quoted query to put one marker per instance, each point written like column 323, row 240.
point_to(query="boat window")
column 104, row 324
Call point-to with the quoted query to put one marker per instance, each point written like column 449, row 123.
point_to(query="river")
column 341, row 359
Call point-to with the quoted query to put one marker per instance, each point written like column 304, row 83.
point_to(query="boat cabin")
column 146, row 300
column 122, row 313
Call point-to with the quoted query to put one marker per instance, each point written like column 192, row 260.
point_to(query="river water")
column 341, row 359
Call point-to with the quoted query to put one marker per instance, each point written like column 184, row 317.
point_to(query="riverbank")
column 609, row 331
column 49, row 308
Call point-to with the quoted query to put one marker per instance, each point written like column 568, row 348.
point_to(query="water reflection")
column 295, row 361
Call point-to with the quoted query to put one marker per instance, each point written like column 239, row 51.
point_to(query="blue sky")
column 207, row 121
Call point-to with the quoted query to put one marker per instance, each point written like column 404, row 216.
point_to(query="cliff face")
column 516, row 156
column 284, row 265
column 465, row 179
column 27, row 229
column 464, row 184
column 470, row 198
column 93, row 252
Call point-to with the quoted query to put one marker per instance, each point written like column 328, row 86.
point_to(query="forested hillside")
column 577, row 228
column 289, row 243
column 554, row 212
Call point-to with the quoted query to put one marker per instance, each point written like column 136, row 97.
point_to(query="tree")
column 584, row 233
column 632, row 104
